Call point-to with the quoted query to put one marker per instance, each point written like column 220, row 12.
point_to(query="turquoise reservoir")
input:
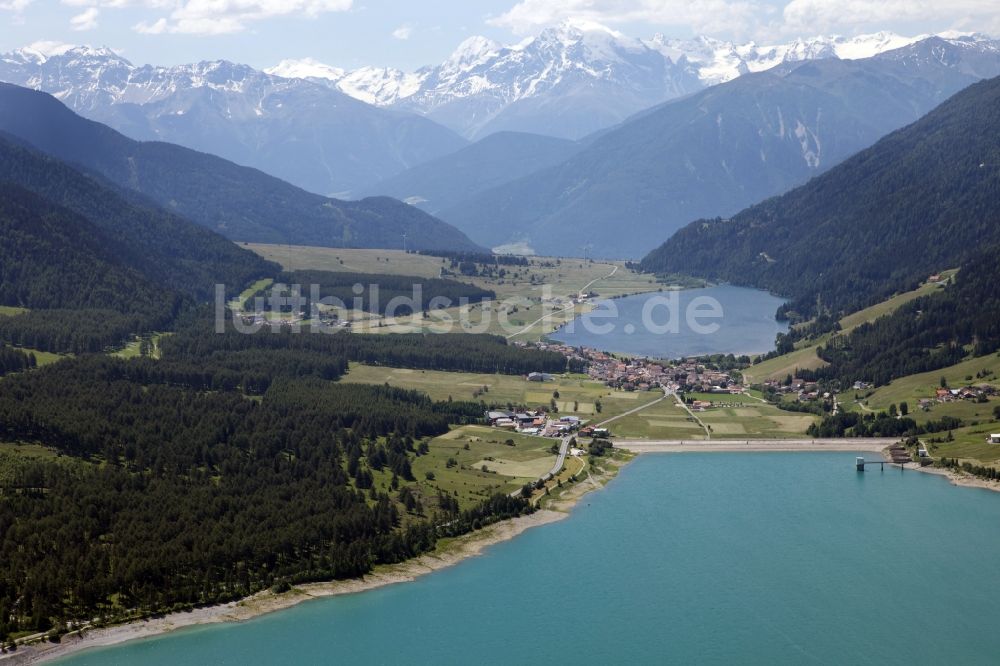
column 759, row 558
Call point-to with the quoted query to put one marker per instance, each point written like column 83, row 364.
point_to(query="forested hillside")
column 228, row 465
column 53, row 258
column 94, row 266
column 238, row 202
column 165, row 248
column 928, row 333
column 922, row 200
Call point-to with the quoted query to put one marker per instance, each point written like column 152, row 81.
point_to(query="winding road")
column 556, row 467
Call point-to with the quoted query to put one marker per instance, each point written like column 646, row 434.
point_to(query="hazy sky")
column 408, row 34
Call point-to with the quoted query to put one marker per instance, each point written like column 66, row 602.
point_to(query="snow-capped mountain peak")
column 306, row 68
column 718, row 61
column 483, row 80
column 471, row 53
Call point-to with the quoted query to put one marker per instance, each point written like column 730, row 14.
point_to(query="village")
column 643, row 374
column 631, row 374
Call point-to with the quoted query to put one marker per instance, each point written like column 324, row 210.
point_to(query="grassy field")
column 470, row 449
column 969, row 444
column 132, row 349
column 664, row 420
column 525, row 295
column 237, row 303
column 578, row 394
column 781, row 366
column 889, row 306
column 44, row 358
column 15, row 458
column 10, row 311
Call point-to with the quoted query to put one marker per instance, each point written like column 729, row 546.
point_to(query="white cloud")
column 758, row 18
column 157, row 27
column 402, row 32
column 825, row 15
column 216, row 17
column 48, row 48
column 86, row 20
column 14, row 5
column 705, row 16
column 205, row 17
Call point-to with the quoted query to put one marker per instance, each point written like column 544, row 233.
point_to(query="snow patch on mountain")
column 305, row 68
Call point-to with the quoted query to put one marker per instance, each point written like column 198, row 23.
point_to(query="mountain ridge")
column 485, row 86
column 921, row 200
column 311, row 135
column 240, row 202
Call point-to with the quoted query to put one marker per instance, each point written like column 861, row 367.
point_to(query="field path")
column 546, row 316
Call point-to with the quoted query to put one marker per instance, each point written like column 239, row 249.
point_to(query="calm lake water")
column 762, row 558
column 746, row 325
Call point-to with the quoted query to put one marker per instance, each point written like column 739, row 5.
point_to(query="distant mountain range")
column 239, row 202
column 572, row 79
column 337, row 132
column 717, row 151
column 636, row 168
column 311, row 135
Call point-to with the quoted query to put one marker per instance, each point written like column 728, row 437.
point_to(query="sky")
column 411, row 33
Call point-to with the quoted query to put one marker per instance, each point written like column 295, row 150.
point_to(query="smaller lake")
column 675, row 324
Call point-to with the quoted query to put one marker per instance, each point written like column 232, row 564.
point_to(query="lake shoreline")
column 452, row 552
column 961, row 479
column 672, row 323
column 264, row 602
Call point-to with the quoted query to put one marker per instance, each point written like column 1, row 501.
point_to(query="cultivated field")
column 738, row 417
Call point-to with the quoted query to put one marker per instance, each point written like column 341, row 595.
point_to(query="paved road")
column 708, row 433
column 560, row 461
column 859, row 445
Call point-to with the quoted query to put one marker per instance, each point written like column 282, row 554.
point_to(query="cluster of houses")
column 536, row 422
column 972, row 393
column 805, row 391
